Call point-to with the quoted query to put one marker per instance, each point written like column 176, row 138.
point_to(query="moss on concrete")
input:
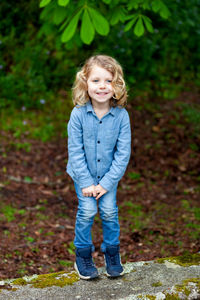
column 185, row 286
column 8, row 288
column 144, row 297
column 55, row 279
column 47, row 280
column 156, row 284
column 172, row 297
column 194, row 280
column 151, row 297
column 183, row 289
column 19, row 281
column 185, row 260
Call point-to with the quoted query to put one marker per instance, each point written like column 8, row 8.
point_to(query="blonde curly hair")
column 79, row 91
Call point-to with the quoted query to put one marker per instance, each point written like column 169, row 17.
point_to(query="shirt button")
column 100, row 122
column 98, row 176
column 98, row 160
column 98, row 142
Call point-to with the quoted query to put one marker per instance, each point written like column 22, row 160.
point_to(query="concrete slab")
column 142, row 280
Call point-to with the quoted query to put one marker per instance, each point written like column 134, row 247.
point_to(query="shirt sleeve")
column 76, row 152
column 121, row 155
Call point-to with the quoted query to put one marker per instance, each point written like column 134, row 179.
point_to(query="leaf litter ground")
column 158, row 197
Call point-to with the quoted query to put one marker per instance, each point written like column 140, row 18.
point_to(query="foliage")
column 30, row 68
column 156, row 63
column 33, row 75
column 98, row 16
column 43, row 125
column 35, row 65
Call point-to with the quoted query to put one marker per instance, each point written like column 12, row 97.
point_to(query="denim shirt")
column 98, row 149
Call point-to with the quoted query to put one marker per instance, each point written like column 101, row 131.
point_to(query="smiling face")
column 99, row 85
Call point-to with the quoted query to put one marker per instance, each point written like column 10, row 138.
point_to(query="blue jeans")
column 87, row 209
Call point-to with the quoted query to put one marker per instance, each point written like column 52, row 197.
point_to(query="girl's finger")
column 99, row 195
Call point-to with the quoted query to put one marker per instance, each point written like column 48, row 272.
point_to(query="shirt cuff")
column 106, row 184
column 85, row 183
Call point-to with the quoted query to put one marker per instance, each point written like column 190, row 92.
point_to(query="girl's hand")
column 89, row 191
column 100, row 191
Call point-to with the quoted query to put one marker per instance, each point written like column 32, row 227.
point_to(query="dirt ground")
column 158, row 198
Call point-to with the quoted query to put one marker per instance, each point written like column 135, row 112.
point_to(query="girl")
column 99, row 139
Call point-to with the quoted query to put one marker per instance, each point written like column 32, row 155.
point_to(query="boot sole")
column 114, row 276
column 108, row 275
column 84, row 277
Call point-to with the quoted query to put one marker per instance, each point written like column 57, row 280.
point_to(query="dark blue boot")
column 113, row 261
column 84, row 264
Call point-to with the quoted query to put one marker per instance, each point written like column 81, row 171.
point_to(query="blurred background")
column 42, row 46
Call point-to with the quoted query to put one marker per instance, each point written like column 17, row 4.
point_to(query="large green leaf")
column 139, row 27
column 156, row 5
column 146, row 4
column 63, row 2
column 164, row 11
column 117, row 15
column 87, row 28
column 148, row 24
column 133, row 4
column 59, row 15
column 44, row 3
column 101, row 25
column 71, row 28
column 130, row 23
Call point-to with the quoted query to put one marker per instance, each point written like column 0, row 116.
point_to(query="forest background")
column 41, row 49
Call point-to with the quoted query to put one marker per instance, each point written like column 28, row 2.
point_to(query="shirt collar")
column 90, row 109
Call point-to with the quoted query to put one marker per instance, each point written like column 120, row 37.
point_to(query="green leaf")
column 43, row 3
column 146, row 5
column 107, row 1
column 114, row 3
column 45, row 29
column 139, row 28
column 29, row 239
column 164, row 11
column 28, row 179
column 133, row 4
column 46, row 12
column 134, row 175
column 87, row 28
column 101, row 25
column 63, row 2
column 147, row 23
column 130, row 23
column 59, row 15
column 117, row 15
column 156, row 5
column 71, row 28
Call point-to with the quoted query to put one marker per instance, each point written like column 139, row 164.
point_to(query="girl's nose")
column 102, row 85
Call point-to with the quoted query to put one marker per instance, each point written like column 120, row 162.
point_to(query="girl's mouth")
column 102, row 93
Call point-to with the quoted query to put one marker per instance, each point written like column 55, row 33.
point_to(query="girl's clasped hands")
column 94, row 191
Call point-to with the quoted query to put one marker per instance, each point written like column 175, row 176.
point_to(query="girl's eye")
column 95, row 80
column 109, row 81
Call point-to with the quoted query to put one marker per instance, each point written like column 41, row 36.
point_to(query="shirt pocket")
column 111, row 136
column 88, row 137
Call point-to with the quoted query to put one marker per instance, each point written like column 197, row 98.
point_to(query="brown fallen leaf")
column 155, row 128
column 65, row 190
column 47, row 192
